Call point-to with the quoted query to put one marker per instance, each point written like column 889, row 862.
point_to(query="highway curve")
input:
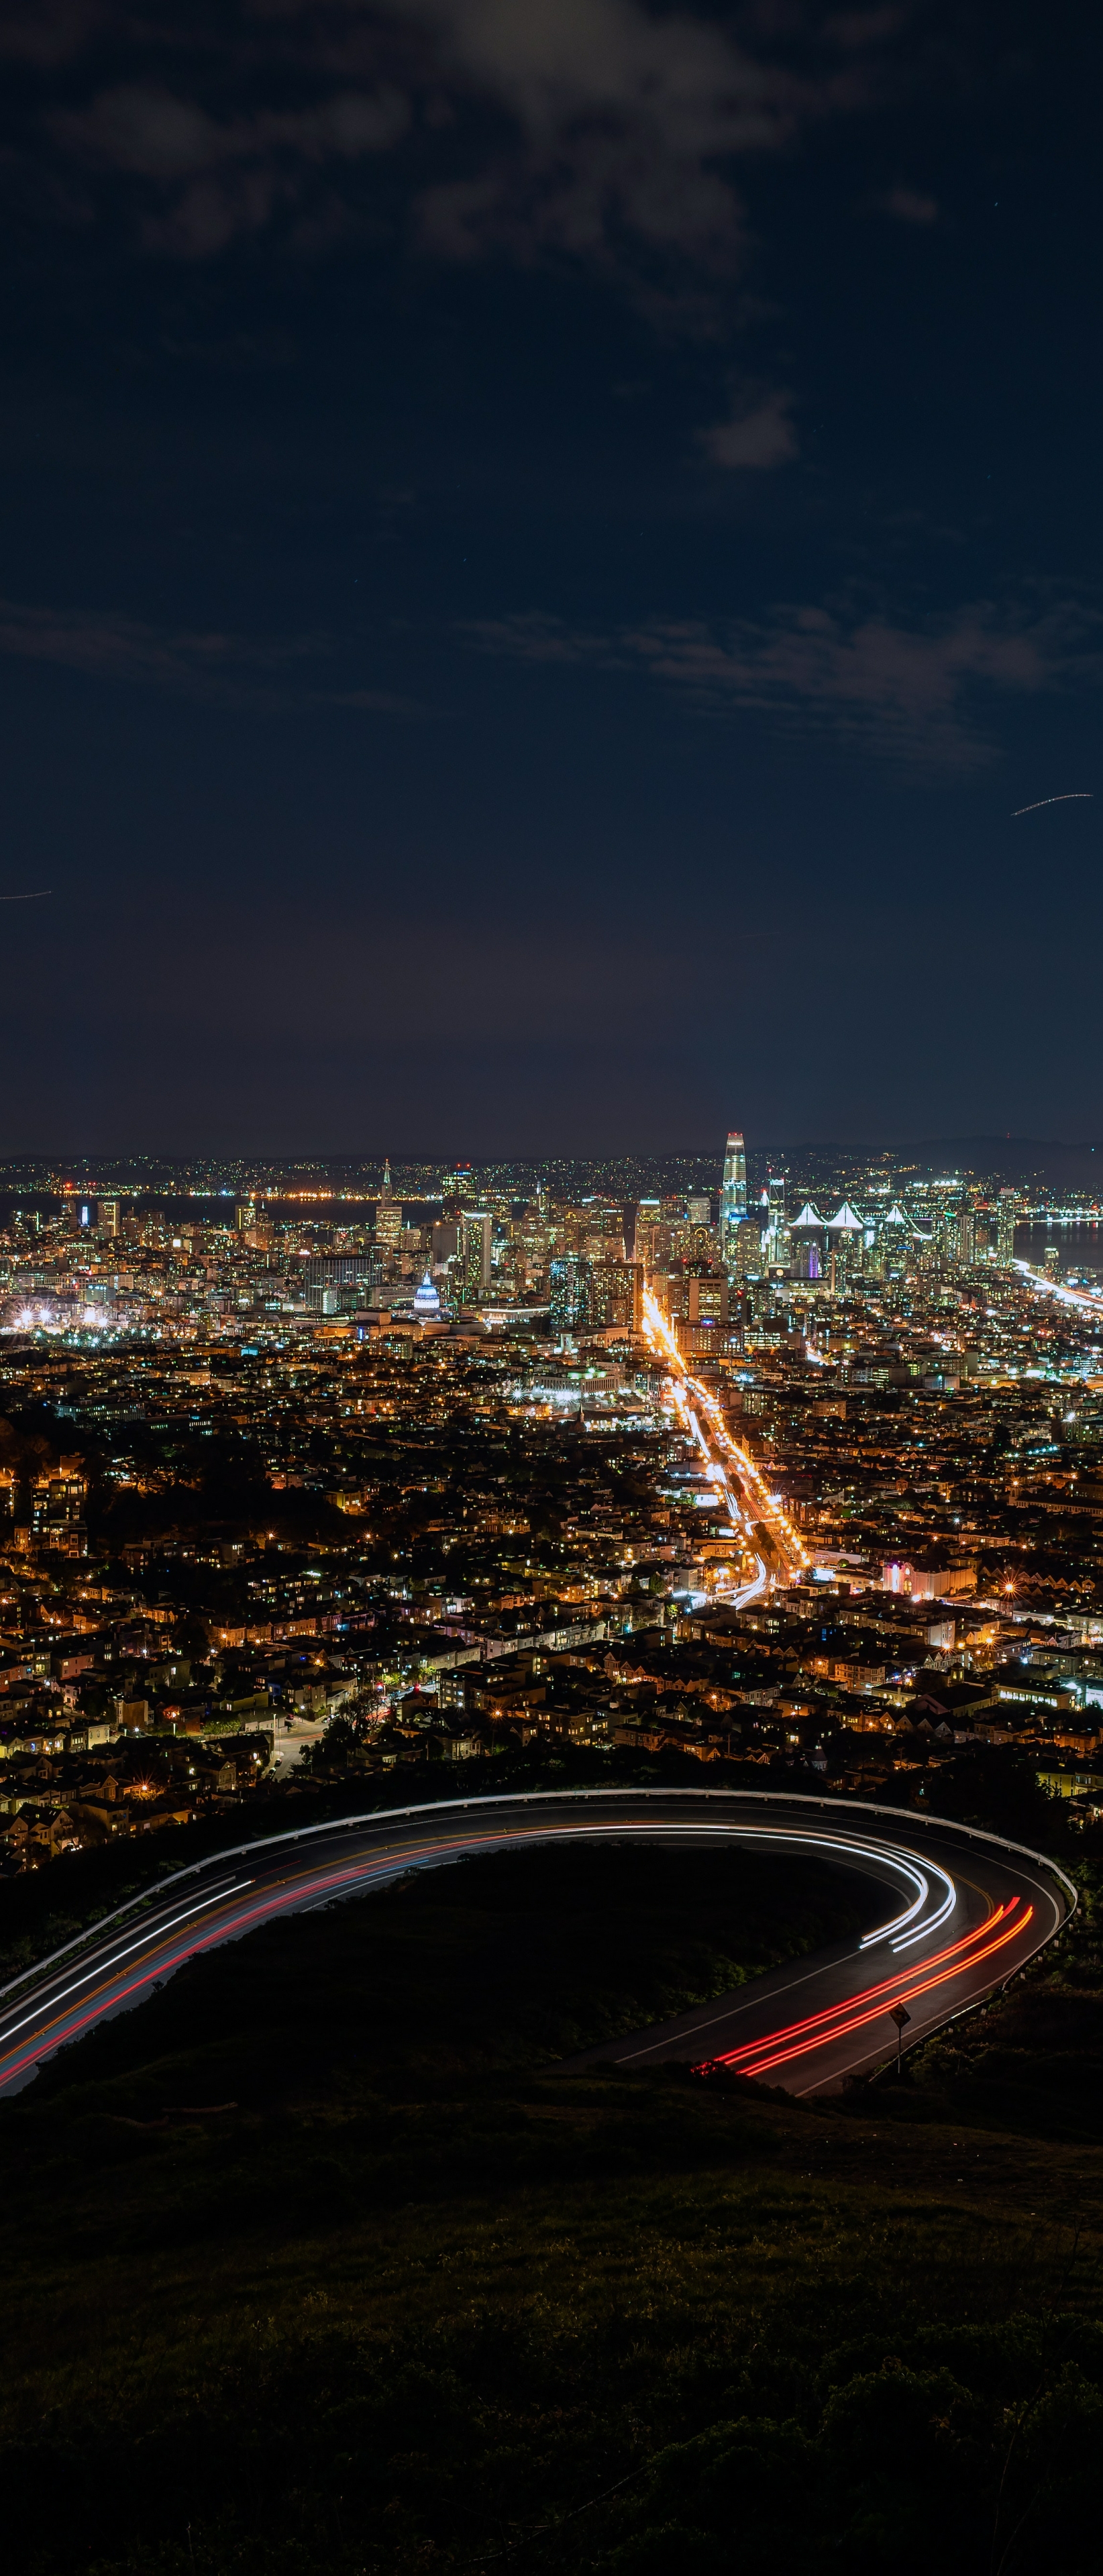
column 961, row 1912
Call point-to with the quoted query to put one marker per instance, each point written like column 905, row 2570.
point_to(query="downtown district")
column 307, row 1477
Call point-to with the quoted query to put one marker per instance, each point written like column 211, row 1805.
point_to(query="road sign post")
column 900, row 2017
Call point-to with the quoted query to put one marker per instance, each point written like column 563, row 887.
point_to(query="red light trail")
column 828, row 2025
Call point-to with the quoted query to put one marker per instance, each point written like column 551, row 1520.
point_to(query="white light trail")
column 1074, row 796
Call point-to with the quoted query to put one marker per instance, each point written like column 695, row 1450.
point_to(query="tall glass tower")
column 733, row 1197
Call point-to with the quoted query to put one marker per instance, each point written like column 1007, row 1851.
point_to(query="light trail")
column 750, row 2060
column 73, row 1997
column 226, row 1920
column 719, row 1445
column 1074, row 796
column 1086, row 1297
column 39, row 897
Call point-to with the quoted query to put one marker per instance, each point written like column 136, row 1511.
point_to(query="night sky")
column 543, row 543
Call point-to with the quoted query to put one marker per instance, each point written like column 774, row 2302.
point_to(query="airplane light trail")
column 39, row 897
column 1074, row 796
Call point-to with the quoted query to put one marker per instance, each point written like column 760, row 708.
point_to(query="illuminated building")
column 569, row 1292
column 733, row 1196
column 445, row 1241
column 747, row 1261
column 846, row 1236
column 776, row 1247
column 471, row 1270
column 1005, row 1225
column 806, row 1243
column 427, row 1301
column 616, row 1296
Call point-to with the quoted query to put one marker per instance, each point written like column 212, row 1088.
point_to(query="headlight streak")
column 752, row 2058
column 104, row 1969
column 947, row 1907
column 293, row 1893
column 172, row 1943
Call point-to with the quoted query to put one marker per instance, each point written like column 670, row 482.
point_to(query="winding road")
column 957, row 1914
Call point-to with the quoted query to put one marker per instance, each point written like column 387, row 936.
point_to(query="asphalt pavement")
column 959, row 1914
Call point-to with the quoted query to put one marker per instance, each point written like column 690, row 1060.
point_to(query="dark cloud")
column 219, row 670
column 917, row 694
column 910, row 206
column 602, row 132
column 758, row 434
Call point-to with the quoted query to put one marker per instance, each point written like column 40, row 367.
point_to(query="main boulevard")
column 756, row 1515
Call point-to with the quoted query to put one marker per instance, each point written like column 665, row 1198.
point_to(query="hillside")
column 315, row 2261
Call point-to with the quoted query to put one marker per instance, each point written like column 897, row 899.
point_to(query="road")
column 1087, row 1299
column 960, row 1914
column 753, row 1511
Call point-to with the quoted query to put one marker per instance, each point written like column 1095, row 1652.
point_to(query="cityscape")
column 551, row 1288
column 305, row 1486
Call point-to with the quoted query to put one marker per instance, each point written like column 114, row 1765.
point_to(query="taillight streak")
column 869, row 1994
column 750, row 2060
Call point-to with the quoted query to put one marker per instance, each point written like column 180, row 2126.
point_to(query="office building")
column 616, row 1296
column 777, row 1233
column 388, row 1224
column 746, row 1258
column 846, row 1238
column 733, row 1196
column 1006, row 1215
column 569, row 1279
column 471, row 1270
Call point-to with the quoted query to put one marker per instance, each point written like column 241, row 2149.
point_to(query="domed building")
column 427, row 1302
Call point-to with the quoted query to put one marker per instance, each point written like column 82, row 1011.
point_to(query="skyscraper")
column 570, row 1290
column 476, row 1229
column 777, row 1232
column 733, row 1196
column 1005, row 1225
column 616, row 1296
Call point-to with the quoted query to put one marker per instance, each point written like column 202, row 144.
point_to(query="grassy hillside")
column 316, row 2262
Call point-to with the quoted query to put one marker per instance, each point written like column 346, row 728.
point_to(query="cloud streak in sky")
column 917, row 694
column 220, row 670
column 607, row 133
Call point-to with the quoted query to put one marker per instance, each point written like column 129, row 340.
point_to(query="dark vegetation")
column 316, row 2262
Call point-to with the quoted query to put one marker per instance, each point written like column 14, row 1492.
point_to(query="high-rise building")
column 733, row 1196
column 746, row 1259
column 777, row 1232
column 616, row 1296
column 445, row 1241
column 569, row 1292
column 1005, row 1225
column 473, row 1260
column 806, row 1243
column 846, row 1238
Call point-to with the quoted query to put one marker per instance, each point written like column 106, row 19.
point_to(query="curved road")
column 957, row 1914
